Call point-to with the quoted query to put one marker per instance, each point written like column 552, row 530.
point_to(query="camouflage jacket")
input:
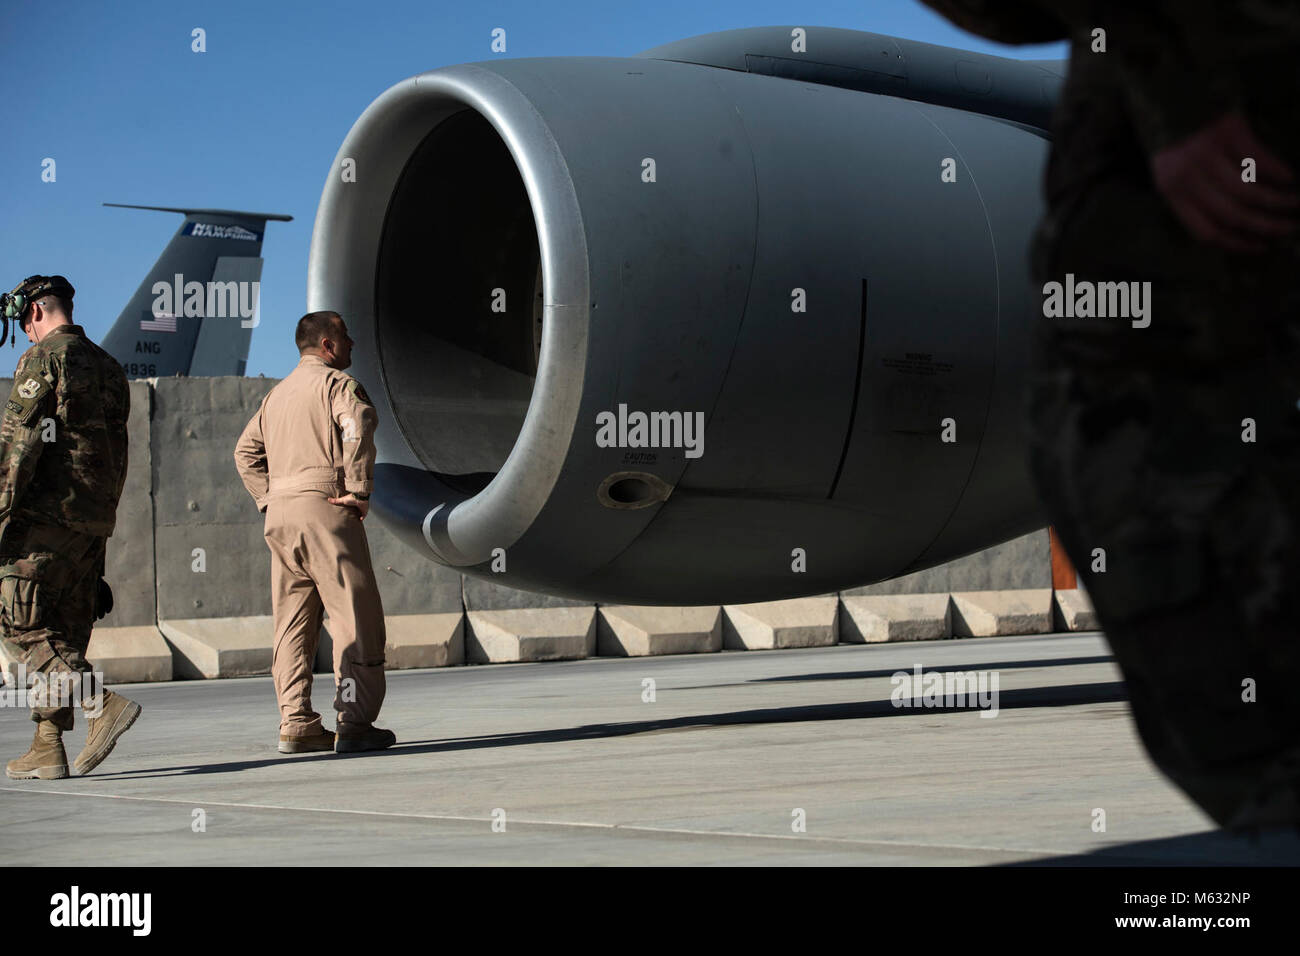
column 63, row 437
column 1168, row 67
column 1158, row 71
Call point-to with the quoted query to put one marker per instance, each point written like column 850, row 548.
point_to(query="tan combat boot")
column 321, row 740
column 45, row 761
column 116, row 716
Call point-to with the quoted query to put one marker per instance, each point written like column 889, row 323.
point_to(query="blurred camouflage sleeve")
column 20, row 430
column 1005, row 21
column 250, row 459
column 1184, row 63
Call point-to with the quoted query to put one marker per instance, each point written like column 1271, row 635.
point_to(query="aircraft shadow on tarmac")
column 890, row 671
column 1061, row 695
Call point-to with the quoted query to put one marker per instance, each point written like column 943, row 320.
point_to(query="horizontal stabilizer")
column 235, row 213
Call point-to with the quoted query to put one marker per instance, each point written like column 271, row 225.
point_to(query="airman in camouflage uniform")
column 1168, row 457
column 62, row 467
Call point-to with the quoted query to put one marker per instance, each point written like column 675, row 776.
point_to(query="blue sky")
column 113, row 92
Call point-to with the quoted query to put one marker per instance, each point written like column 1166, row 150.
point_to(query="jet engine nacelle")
column 822, row 259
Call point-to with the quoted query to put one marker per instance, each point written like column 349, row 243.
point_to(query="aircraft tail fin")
column 195, row 311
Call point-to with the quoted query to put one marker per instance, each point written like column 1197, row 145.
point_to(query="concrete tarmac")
column 567, row 763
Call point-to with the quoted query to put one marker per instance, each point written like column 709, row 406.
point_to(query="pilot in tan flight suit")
column 308, row 457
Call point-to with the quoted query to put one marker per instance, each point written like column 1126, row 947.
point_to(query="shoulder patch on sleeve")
column 360, row 393
column 25, row 399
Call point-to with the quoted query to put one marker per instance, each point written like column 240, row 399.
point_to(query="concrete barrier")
column 130, row 655
column 638, row 631
column 996, row 613
column 530, row 634
column 1073, row 611
column 895, row 617
column 504, row 624
column 212, row 558
column 130, row 568
column 191, row 577
column 769, row 625
column 425, row 640
column 413, row 640
column 423, row 609
column 220, row 646
column 213, row 577
column 487, row 595
column 1019, row 564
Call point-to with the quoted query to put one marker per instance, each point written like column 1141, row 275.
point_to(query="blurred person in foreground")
column 1168, row 456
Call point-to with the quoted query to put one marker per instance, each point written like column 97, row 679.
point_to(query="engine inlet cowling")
column 531, row 246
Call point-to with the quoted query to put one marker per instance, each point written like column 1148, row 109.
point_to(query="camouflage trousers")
column 49, row 578
column 1168, row 459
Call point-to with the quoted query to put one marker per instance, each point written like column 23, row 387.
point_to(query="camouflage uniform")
column 62, row 466
column 1136, row 434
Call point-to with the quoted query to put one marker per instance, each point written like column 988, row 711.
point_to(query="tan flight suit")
column 311, row 440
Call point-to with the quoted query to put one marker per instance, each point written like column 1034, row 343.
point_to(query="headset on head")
column 14, row 304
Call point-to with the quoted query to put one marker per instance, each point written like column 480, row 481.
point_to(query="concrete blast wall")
column 188, row 563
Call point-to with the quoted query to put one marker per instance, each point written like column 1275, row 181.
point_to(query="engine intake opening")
column 458, row 301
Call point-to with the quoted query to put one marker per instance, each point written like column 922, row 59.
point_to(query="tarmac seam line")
column 542, row 823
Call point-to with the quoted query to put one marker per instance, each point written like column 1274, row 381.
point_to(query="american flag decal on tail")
column 160, row 322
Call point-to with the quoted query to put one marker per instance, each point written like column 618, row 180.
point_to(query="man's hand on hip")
column 350, row 500
column 1201, row 179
